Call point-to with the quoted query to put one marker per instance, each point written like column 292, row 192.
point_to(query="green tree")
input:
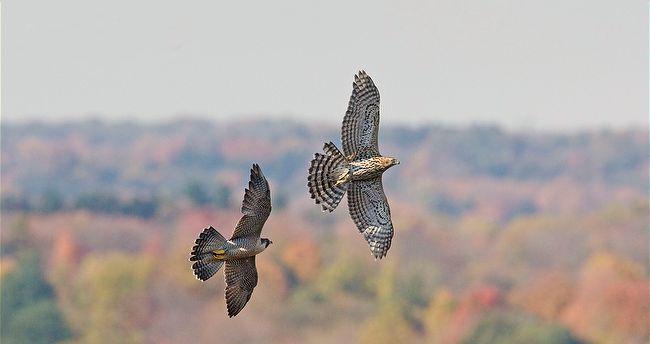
column 38, row 322
column 16, row 236
column 388, row 325
column 99, row 203
column 51, row 201
column 24, row 285
column 28, row 310
column 14, row 203
column 144, row 208
column 196, row 193
column 222, row 196
column 511, row 328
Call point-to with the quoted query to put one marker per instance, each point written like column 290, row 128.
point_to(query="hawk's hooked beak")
column 396, row 162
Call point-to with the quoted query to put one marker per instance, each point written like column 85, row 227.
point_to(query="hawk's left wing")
column 256, row 206
column 370, row 212
column 241, row 279
column 361, row 122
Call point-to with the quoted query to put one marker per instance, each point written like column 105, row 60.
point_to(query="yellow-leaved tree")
column 388, row 324
column 113, row 301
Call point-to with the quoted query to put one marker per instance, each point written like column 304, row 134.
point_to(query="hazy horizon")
column 523, row 129
column 559, row 65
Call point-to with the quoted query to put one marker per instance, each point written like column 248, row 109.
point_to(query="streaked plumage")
column 358, row 169
column 212, row 250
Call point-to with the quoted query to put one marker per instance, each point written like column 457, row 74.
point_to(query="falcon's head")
column 266, row 242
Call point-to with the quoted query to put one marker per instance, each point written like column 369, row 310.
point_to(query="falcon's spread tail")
column 329, row 175
column 205, row 254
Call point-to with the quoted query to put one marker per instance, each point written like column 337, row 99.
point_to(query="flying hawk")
column 212, row 250
column 358, row 169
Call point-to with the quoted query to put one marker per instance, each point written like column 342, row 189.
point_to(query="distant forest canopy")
column 500, row 236
column 131, row 168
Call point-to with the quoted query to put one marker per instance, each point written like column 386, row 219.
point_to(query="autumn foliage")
column 501, row 237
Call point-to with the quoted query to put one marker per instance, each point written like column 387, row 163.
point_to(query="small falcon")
column 212, row 250
column 358, row 169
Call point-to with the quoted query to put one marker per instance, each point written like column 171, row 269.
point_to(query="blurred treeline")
column 501, row 237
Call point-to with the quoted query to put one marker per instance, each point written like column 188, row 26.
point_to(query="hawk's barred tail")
column 205, row 262
column 328, row 177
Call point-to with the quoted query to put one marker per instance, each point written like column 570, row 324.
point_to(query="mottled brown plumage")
column 358, row 170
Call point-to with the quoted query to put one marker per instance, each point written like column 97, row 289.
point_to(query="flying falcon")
column 358, row 169
column 212, row 250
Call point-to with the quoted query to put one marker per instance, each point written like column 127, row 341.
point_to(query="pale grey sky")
column 555, row 64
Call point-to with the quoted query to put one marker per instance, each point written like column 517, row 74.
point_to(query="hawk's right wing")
column 241, row 279
column 256, row 206
column 361, row 122
column 370, row 212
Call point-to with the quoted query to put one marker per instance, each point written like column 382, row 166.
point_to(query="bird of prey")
column 212, row 250
column 358, row 170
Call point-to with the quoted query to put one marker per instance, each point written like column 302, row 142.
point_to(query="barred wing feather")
column 370, row 212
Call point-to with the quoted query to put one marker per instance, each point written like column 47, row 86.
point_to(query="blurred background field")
column 129, row 126
column 502, row 236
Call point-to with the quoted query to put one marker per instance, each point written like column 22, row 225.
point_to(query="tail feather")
column 205, row 263
column 205, row 269
column 324, row 172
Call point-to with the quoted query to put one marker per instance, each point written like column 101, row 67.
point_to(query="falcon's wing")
column 370, row 212
column 361, row 121
column 241, row 279
column 256, row 206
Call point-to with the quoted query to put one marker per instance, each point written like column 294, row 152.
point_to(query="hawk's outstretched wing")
column 370, row 212
column 256, row 206
column 361, row 121
column 241, row 279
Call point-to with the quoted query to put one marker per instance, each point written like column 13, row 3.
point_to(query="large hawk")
column 212, row 250
column 358, row 171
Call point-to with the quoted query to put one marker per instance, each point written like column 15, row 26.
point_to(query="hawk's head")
column 386, row 162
